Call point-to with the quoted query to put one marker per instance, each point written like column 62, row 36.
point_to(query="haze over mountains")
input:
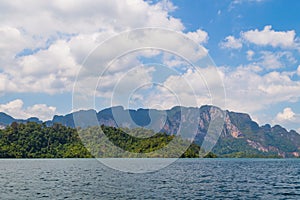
column 238, row 134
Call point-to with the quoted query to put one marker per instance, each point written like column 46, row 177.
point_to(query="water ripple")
column 184, row 179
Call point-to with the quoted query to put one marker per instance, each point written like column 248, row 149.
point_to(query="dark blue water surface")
column 184, row 179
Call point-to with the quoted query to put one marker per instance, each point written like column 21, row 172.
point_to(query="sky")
column 254, row 46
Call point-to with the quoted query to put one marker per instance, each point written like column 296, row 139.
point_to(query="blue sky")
column 254, row 44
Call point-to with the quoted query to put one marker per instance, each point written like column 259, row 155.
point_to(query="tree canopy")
column 33, row 140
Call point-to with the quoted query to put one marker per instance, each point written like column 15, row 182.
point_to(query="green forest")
column 33, row 140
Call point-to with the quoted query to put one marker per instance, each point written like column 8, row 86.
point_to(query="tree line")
column 34, row 140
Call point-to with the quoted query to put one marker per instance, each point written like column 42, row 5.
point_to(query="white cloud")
column 288, row 118
column 16, row 109
column 192, row 88
column 250, row 54
column 286, row 114
column 49, row 71
column 101, row 58
column 121, row 85
column 199, row 36
column 73, row 30
column 267, row 36
column 43, row 111
column 12, row 41
column 231, row 42
column 167, row 5
column 86, row 16
column 12, row 105
column 271, row 60
column 248, row 91
column 298, row 70
column 276, row 60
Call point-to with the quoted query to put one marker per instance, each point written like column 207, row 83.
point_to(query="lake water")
column 184, row 179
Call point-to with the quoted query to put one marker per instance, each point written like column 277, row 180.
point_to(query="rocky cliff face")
column 230, row 129
column 243, row 133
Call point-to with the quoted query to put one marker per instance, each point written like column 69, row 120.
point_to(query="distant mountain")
column 239, row 135
column 5, row 120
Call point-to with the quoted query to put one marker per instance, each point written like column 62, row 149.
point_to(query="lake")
column 183, row 179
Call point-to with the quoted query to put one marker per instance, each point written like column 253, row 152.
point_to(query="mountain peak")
column 5, row 119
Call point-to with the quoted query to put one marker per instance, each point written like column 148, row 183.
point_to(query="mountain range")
column 236, row 134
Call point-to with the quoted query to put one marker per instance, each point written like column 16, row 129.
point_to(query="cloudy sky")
column 254, row 45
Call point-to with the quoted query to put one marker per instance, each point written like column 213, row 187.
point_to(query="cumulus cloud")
column 119, row 89
column 263, row 38
column 86, row 16
column 49, row 71
column 11, row 41
column 198, row 36
column 271, row 60
column 267, row 36
column 195, row 88
column 167, row 5
column 16, row 109
column 275, row 60
column 286, row 114
column 73, row 30
column 288, row 118
column 248, row 91
column 99, row 65
column 231, row 42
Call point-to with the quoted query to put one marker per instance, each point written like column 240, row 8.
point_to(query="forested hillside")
column 33, row 140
